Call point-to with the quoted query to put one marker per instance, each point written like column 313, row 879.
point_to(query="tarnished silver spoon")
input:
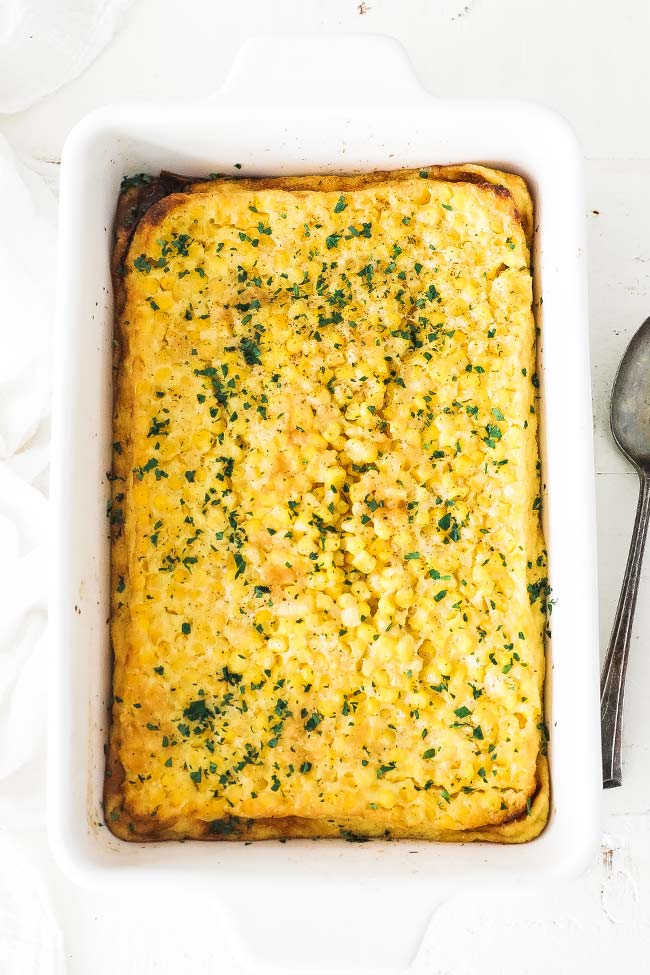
column 630, row 421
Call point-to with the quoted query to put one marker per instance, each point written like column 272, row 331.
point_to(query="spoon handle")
column 612, row 685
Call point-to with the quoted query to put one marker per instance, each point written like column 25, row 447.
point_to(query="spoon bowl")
column 630, row 404
column 630, row 422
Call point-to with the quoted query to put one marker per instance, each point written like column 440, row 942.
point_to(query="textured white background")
column 589, row 60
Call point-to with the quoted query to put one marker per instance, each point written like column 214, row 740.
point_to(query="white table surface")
column 588, row 59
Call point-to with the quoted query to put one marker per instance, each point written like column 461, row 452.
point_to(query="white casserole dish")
column 305, row 105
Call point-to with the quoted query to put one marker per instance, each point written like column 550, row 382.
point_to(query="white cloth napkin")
column 27, row 263
column 30, row 939
column 46, row 43
column 43, row 44
column 30, row 943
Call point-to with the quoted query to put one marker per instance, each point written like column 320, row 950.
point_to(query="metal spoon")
column 630, row 422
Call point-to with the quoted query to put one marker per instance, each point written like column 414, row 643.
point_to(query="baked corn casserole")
column 329, row 588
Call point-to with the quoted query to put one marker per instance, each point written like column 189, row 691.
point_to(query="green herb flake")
column 251, row 351
column 313, row 721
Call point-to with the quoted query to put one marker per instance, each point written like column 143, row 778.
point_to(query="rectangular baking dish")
column 285, row 110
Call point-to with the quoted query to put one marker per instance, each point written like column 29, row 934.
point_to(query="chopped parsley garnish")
column 313, row 721
column 251, row 352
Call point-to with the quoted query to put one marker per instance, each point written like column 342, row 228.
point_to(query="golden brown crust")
column 521, row 828
column 505, row 185
column 144, row 208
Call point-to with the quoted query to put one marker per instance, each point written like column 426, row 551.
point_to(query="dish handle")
column 315, row 70
column 327, row 930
